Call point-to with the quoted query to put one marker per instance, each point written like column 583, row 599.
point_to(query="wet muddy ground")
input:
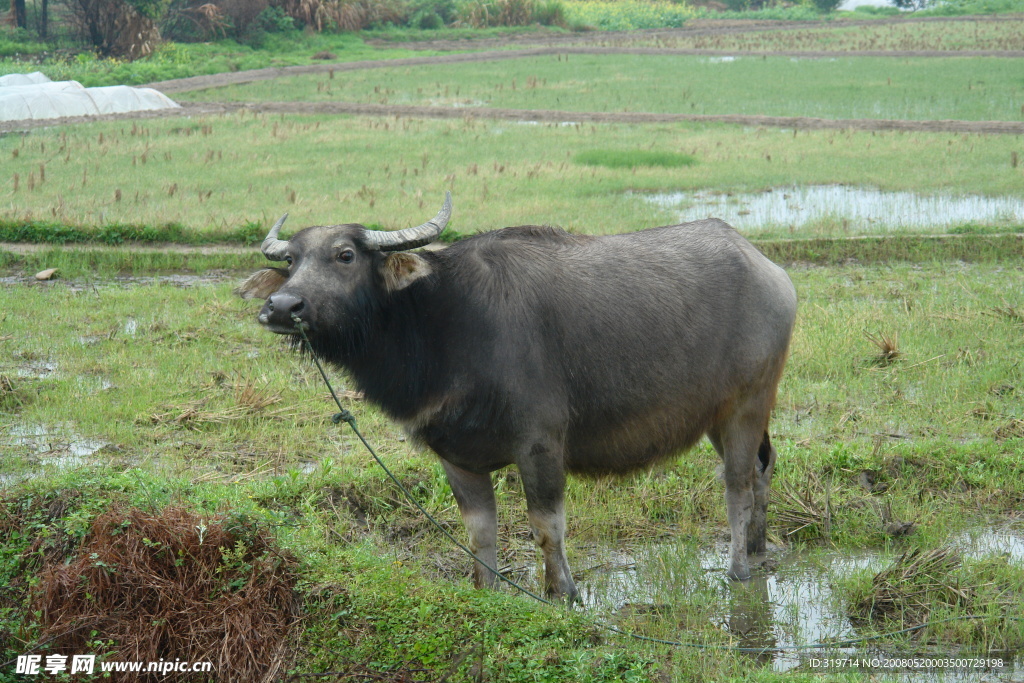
column 780, row 614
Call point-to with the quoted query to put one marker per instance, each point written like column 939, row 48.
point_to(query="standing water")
column 858, row 209
column 781, row 610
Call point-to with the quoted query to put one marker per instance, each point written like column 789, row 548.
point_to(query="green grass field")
column 839, row 88
column 218, row 175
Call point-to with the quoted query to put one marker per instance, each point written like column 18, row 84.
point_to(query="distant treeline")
column 131, row 28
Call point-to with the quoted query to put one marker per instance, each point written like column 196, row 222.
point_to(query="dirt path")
column 541, row 115
column 555, row 116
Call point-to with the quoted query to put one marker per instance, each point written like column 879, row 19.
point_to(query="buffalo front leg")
column 543, row 484
column 475, row 497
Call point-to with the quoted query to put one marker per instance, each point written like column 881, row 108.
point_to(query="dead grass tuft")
column 888, row 348
column 252, row 398
column 255, row 396
column 802, row 514
column 10, row 398
column 174, row 585
column 1010, row 313
column 1013, row 428
column 913, row 585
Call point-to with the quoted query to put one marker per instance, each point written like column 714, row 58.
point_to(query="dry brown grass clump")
column 913, row 585
column 345, row 15
column 801, row 514
column 888, row 348
column 174, row 585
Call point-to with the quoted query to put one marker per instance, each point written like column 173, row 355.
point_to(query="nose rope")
column 346, row 416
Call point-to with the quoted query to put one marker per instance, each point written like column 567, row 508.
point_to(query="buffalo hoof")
column 738, row 574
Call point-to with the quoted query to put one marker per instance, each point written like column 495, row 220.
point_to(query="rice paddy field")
column 866, row 87
column 172, row 486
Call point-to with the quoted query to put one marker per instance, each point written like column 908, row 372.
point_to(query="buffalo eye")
column 346, row 256
column 288, row 260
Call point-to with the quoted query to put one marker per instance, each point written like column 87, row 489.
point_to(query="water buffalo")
column 553, row 352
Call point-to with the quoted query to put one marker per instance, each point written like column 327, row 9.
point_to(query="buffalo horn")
column 410, row 238
column 273, row 248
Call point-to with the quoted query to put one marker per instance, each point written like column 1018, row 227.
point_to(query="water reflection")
column 775, row 613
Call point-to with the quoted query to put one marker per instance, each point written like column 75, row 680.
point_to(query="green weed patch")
column 632, row 158
column 51, row 232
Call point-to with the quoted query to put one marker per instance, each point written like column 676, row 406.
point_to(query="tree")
column 120, row 28
column 20, row 15
column 910, row 5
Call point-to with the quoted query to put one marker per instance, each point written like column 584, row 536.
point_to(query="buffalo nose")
column 280, row 308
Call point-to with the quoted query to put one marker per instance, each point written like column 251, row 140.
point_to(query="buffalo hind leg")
column 757, row 530
column 475, row 497
column 543, row 475
column 739, row 442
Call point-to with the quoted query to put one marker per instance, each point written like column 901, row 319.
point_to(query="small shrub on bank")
column 174, row 585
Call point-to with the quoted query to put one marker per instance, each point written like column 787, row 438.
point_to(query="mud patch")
column 173, row 279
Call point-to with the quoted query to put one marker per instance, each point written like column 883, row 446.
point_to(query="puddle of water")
column 43, row 440
column 793, row 605
column 859, row 208
column 94, row 384
column 992, row 542
column 55, row 446
column 37, row 369
column 456, row 103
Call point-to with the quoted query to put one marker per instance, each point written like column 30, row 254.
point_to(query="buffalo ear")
column 400, row 269
column 262, row 283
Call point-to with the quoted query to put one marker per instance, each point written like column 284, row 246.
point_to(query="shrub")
column 432, row 14
column 827, row 5
column 627, row 15
column 486, row 13
column 550, row 13
column 119, row 28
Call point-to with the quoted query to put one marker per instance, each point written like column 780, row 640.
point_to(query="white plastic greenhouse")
column 34, row 96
